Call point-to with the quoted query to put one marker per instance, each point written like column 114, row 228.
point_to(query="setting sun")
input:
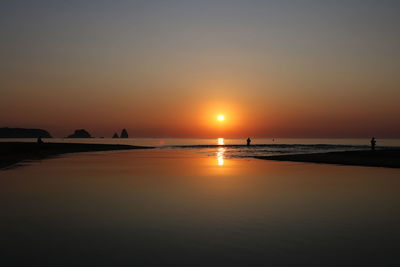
column 220, row 117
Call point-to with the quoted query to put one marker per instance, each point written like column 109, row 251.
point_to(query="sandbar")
column 389, row 158
column 12, row 153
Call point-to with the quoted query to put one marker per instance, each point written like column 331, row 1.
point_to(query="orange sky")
column 273, row 69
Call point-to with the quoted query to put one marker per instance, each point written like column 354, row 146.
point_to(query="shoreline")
column 13, row 153
column 388, row 158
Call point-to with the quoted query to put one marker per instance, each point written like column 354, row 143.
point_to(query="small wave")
column 256, row 146
column 243, row 151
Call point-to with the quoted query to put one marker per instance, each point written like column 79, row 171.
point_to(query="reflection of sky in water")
column 125, row 206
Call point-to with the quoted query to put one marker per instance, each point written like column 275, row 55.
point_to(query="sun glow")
column 220, row 156
column 220, row 117
column 220, row 141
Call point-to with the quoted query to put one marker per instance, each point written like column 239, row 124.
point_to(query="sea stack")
column 115, row 135
column 124, row 134
column 80, row 134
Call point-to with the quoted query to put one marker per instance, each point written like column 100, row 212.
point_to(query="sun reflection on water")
column 220, row 156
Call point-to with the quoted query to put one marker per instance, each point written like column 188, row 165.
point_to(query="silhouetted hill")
column 124, row 134
column 80, row 134
column 115, row 135
column 23, row 133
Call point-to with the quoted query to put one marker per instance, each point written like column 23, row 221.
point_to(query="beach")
column 12, row 153
column 200, row 133
column 379, row 158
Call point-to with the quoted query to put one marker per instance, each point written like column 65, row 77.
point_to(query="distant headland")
column 6, row 132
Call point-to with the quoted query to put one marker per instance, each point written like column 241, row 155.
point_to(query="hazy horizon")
column 285, row 69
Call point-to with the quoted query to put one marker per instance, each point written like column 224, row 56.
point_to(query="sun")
column 220, row 117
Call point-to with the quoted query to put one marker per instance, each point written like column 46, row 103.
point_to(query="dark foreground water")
column 184, row 207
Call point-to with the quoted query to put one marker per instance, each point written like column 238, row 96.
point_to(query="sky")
column 167, row 68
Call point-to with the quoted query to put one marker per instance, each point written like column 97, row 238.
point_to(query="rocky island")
column 124, row 134
column 80, row 134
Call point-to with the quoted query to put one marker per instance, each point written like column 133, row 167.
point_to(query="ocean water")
column 236, row 148
column 194, row 206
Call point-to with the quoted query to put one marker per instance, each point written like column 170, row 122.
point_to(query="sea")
column 237, row 148
column 200, row 202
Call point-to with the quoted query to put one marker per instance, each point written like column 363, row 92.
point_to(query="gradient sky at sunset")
column 167, row 68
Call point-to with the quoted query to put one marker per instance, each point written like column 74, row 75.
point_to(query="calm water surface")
column 183, row 207
column 236, row 148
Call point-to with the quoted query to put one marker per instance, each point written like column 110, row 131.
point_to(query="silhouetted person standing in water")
column 373, row 143
column 248, row 141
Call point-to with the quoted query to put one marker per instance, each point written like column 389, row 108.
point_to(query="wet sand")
column 12, row 153
column 379, row 158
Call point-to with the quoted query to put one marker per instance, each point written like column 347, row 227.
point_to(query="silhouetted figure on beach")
column 248, row 141
column 373, row 143
column 39, row 140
